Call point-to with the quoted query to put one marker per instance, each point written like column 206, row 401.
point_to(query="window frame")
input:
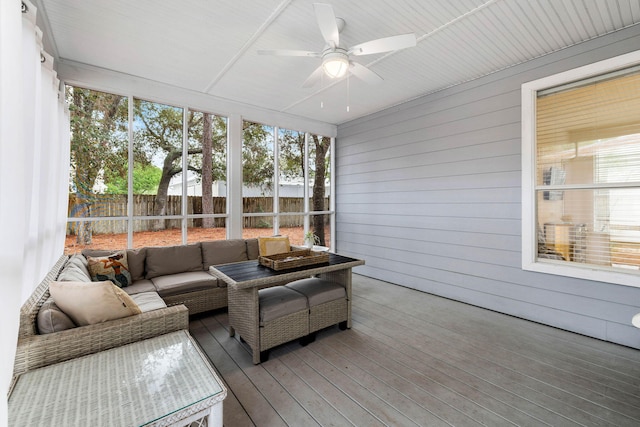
column 307, row 211
column 529, row 92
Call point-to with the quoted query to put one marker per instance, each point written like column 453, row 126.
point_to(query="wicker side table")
column 161, row 381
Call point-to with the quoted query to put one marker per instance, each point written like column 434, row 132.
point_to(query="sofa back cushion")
column 223, row 252
column 253, row 250
column 97, row 252
column 51, row 319
column 164, row 260
column 136, row 257
column 75, row 270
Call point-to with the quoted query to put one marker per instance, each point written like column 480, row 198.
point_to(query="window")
column 149, row 174
column 258, row 153
column 286, row 183
column 206, row 177
column 320, row 184
column 581, row 172
column 98, row 166
column 126, row 192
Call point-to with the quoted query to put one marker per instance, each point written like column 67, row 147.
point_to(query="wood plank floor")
column 412, row 358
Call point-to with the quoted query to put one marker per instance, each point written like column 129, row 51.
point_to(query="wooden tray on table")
column 293, row 259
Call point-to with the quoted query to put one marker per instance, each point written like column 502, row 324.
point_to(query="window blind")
column 588, row 172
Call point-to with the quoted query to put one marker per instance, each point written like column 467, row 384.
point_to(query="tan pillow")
column 273, row 245
column 112, row 267
column 87, row 303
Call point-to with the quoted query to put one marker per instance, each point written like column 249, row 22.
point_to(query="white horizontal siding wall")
column 429, row 194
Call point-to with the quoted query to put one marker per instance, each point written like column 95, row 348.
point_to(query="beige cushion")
column 51, row 319
column 93, row 302
column 139, row 286
column 112, row 267
column 135, row 258
column 161, row 261
column 279, row 301
column 253, row 250
column 180, row 283
column 96, row 252
column 318, row 291
column 74, row 273
column 223, row 252
column 148, row 301
column 273, row 245
column 79, row 261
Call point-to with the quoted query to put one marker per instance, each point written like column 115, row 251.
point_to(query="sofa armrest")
column 35, row 351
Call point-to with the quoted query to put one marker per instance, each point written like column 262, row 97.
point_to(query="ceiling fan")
column 336, row 58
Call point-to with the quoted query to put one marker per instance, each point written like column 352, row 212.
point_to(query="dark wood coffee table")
column 244, row 279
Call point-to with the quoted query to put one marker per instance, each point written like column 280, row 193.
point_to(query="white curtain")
column 34, row 170
column 46, row 166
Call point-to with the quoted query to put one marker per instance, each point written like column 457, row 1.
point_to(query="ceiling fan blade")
column 365, row 74
column 327, row 23
column 287, row 52
column 384, row 45
column 314, row 78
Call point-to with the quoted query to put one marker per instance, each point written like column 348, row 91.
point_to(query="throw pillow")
column 273, row 245
column 113, row 267
column 87, row 303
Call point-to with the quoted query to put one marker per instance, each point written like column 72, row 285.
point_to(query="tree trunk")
column 160, row 205
column 322, row 146
column 207, row 170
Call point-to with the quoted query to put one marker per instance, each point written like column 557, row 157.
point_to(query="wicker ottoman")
column 327, row 302
column 284, row 316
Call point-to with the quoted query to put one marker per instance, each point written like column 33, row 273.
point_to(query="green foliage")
column 257, row 155
column 145, row 180
column 291, row 154
column 98, row 136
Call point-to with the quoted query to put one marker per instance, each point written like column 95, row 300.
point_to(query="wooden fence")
column 108, row 205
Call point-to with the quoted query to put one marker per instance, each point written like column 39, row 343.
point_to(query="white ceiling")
column 210, row 46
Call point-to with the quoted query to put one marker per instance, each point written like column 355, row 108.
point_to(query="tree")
column 97, row 144
column 291, row 152
column 322, row 145
column 207, row 170
column 145, row 180
column 159, row 135
column 257, row 156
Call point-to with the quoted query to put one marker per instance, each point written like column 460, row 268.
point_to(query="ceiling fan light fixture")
column 335, row 64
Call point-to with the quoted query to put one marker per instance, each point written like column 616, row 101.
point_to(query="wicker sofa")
column 178, row 274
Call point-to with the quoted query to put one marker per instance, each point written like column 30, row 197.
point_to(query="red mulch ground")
column 174, row 237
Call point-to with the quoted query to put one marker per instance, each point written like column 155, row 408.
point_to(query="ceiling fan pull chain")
column 348, row 93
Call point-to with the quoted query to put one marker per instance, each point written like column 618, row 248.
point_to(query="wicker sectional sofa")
column 178, row 274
